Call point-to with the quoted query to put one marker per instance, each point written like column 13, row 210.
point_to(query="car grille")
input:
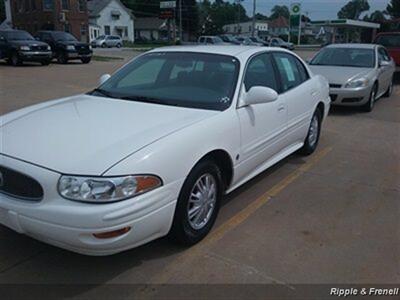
column 82, row 49
column 335, row 86
column 333, row 97
column 38, row 48
column 352, row 100
column 18, row 185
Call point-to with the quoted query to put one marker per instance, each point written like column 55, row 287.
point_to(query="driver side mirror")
column 104, row 78
column 384, row 63
column 258, row 95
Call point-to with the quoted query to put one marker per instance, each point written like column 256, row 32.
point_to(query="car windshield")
column 63, row 36
column 101, row 37
column 389, row 40
column 346, row 57
column 18, row 36
column 185, row 79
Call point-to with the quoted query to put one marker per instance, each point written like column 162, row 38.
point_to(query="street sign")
column 295, row 8
column 167, row 4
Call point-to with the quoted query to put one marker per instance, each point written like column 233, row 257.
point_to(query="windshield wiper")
column 147, row 100
column 102, row 92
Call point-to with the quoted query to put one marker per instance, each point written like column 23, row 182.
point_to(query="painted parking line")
column 176, row 266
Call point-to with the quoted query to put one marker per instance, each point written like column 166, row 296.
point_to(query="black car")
column 17, row 46
column 65, row 46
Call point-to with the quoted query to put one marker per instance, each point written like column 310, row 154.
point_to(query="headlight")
column 361, row 82
column 48, row 48
column 106, row 189
column 24, row 48
column 70, row 47
column 90, row 47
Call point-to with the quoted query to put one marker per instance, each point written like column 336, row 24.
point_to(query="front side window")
column 383, row 55
column 289, row 73
column 81, row 5
column 260, row 72
column 345, row 57
column 48, row 4
column 197, row 80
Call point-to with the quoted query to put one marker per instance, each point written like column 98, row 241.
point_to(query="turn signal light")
column 112, row 234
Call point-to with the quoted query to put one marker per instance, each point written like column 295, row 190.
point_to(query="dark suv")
column 65, row 46
column 17, row 46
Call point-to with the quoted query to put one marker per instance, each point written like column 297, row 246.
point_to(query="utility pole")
column 180, row 21
column 253, row 29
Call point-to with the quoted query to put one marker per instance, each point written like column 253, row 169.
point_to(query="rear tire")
column 103, row 45
column 389, row 91
column 200, row 198
column 119, row 45
column 369, row 106
column 45, row 62
column 312, row 139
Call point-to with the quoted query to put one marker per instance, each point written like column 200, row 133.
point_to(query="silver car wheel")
column 202, row 201
column 390, row 87
column 313, row 131
column 372, row 100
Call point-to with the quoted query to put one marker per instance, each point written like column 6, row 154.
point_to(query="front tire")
column 119, row 45
column 312, row 139
column 15, row 60
column 369, row 106
column 62, row 58
column 85, row 60
column 198, row 204
column 389, row 91
column 45, row 62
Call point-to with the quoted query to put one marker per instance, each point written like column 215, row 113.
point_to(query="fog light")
column 112, row 234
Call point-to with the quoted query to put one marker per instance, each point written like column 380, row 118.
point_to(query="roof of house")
column 96, row 6
column 278, row 22
column 149, row 23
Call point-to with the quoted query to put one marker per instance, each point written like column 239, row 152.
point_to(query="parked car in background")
column 258, row 40
column 211, row 40
column 225, row 113
column 107, row 41
column 228, row 38
column 17, row 46
column 248, row 41
column 65, row 46
column 391, row 41
column 358, row 74
column 278, row 42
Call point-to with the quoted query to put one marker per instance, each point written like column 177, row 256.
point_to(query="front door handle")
column 314, row 93
column 281, row 108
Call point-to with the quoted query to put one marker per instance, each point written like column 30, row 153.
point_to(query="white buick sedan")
column 152, row 150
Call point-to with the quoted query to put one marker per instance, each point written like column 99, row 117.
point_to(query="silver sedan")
column 358, row 74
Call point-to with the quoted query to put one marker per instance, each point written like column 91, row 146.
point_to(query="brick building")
column 63, row 15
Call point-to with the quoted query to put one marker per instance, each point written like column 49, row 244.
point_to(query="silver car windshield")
column 198, row 80
column 346, row 57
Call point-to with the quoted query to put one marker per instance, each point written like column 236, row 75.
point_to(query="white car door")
column 263, row 126
column 384, row 71
column 301, row 93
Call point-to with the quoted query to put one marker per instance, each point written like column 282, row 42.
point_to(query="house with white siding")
column 110, row 17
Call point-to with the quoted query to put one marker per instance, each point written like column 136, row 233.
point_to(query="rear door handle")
column 314, row 93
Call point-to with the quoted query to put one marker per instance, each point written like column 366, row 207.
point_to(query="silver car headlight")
column 356, row 83
column 24, row 48
column 48, row 48
column 70, row 47
column 106, row 189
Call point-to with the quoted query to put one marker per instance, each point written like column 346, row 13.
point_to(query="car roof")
column 231, row 50
column 353, row 45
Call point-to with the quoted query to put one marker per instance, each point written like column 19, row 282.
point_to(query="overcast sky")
column 317, row 9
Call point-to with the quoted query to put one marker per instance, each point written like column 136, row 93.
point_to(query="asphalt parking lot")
column 332, row 217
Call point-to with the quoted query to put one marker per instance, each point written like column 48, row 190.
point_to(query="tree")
column 280, row 11
column 393, row 9
column 377, row 17
column 353, row 9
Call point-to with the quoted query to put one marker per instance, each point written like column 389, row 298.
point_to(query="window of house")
column 65, row 4
column 126, row 32
column 106, row 30
column 48, row 4
column 67, row 27
column 83, row 30
column 82, row 5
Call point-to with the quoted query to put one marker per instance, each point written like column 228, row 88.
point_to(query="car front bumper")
column 71, row 225
column 35, row 55
column 349, row 96
column 77, row 55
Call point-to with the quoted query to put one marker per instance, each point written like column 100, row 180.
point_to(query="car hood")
column 86, row 134
column 28, row 43
column 339, row 75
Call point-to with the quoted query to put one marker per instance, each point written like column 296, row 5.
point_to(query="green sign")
column 295, row 9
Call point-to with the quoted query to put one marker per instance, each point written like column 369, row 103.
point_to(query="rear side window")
column 260, row 72
column 288, row 70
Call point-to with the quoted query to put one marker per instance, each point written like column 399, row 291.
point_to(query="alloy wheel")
column 202, row 201
column 313, row 132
